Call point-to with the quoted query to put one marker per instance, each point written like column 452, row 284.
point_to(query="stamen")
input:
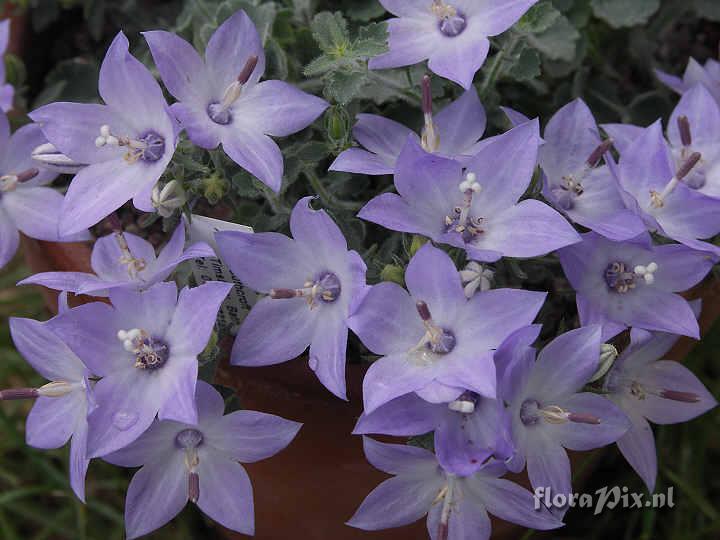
column 446, row 495
column 8, row 182
column 219, row 112
column 583, row 418
column 657, row 200
column 684, row 397
column 436, row 339
column 150, row 352
column 247, row 71
column 134, row 265
column 430, row 139
column 326, row 287
column 599, row 152
column 148, row 147
column 451, row 22
column 684, row 128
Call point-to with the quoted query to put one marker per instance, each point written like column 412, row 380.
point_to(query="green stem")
column 496, row 64
column 328, row 198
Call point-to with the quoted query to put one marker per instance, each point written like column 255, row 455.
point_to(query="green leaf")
column 343, row 86
column 365, row 10
column 621, row 13
column 557, row 42
column 331, row 32
column 526, row 67
column 71, row 80
column 371, row 41
column 320, row 65
column 539, row 18
column 708, row 9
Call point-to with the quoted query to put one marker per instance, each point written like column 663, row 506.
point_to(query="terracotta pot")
column 310, row 489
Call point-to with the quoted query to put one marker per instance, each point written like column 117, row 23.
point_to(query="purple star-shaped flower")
column 457, row 508
column 707, row 75
column 659, row 188
column 621, row 284
column 474, row 207
column 452, row 35
column 646, row 388
column 7, row 92
column 126, row 143
column 575, row 184
column 222, row 102
column 549, row 412
column 60, row 412
column 25, row 204
column 312, row 282
column 145, row 348
column 434, row 341
column 454, row 132
column 124, row 260
column 198, row 462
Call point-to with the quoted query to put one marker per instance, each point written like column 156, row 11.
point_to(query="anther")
column 684, row 128
column 599, row 152
column 247, row 71
column 423, row 310
column 9, row 182
column 583, row 418
column 688, row 165
column 430, row 139
column 284, row 294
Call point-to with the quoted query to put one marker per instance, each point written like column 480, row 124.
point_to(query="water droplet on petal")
column 124, row 420
column 313, row 363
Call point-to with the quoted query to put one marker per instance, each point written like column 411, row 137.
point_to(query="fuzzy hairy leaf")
column 621, row 13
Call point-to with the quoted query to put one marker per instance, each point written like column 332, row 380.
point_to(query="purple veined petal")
column 106, row 255
column 571, row 135
column 566, row 363
column 78, row 460
column 674, row 377
column 679, row 267
column 181, row 67
column 327, row 353
column 645, row 348
column 504, row 167
column 591, row 315
column 264, row 261
column 395, row 213
column 403, row 8
column 470, row 368
column 646, row 165
column 703, row 114
column 406, row 415
column 52, row 421
column 73, row 127
column 494, row 18
column 125, row 84
column 225, row 492
column 180, row 379
column 689, row 214
column 157, row 442
column 45, row 351
column 127, row 404
column 458, row 59
column 461, row 124
column 396, row 502
column 150, row 310
column 18, row 154
column 318, row 234
column 400, row 459
column 255, row 152
column 7, row 96
column 511, row 502
column 4, row 136
column 491, row 316
column 194, row 318
column 410, row 41
column 619, row 226
column 75, row 282
column 662, row 311
column 359, row 161
column 99, row 189
column 695, row 73
column 357, row 277
column 157, row 493
column 274, row 331
column 548, row 465
column 623, row 135
column 201, row 130
column 36, row 212
column 277, row 108
column 612, row 422
column 210, row 403
column 229, row 49
column 382, row 136
column 671, row 81
column 516, row 118
column 514, row 360
column 9, row 238
column 249, row 436
column 436, row 392
column 431, row 277
column 638, row 447
column 528, row 229
column 393, row 376
column 468, row 519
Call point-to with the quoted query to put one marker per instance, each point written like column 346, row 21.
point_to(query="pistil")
column 148, row 147
column 436, row 339
column 9, row 182
column 189, row 440
column 451, row 22
column 430, row 139
column 657, row 200
column 461, row 221
column 219, row 112
column 150, row 352
column 326, row 287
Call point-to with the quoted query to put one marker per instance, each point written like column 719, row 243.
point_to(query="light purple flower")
column 60, row 412
column 621, row 284
column 199, row 463
column 7, row 92
column 145, row 348
column 549, row 412
column 434, row 341
column 454, row 133
column 647, row 387
column 222, row 102
column 707, row 75
column 124, row 261
column 452, row 35
column 312, row 282
column 457, row 508
column 25, row 204
column 474, row 206
column 574, row 181
column 655, row 186
column 126, row 143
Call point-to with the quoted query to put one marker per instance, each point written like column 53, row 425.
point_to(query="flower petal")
column 461, row 124
column 638, row 447
column 458, row 59
column 406, row 415
column 327, row 353
column 9, row 238
column 255, row 152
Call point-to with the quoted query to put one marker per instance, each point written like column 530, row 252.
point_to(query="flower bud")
column 214, row 188
column 394, row 273
column 417, row 242
column 337, row 125
column 608, row 354
column 169, row 198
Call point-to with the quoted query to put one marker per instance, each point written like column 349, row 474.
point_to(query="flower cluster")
column 453, row 354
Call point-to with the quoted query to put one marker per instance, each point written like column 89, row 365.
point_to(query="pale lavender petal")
column 106, row 255
column 327, row 353
column 201, row 130
column 671, row 81
column 548, row 466
column 52, row 421
column 494, row 18
column 226, row 493
column 436, row 392
column 274, row 331
column 638, row 447
column 459, row 58
column 9, row 238
column 394, row 213
column 664, row 312
column 461, row 124
column 469, row 367
column 406, row 415
column 381, row 136
column 516, row 118
column 517, row 346
column 410, row 41
column 690, row 214
column 229, row 49
column 75, row 282
column 317, row 233
column 400, row 458
column 179, row 388
column 155, row 443
column 255, row 152
column 150, row 310
column 7, row 95
column 581, row 436
column 391, row 377
column 18, row 154
column 680, row 268
column 250, row 436
column 623, row 135
column 403, row 8
column 78, row 460
column 359, row 161
column 156, row 494
column 703, row 113
column 468, row 518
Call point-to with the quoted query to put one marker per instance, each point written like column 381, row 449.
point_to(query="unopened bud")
column 215, row 187
column 608, row 354
column 394, row 273
column 169, row 198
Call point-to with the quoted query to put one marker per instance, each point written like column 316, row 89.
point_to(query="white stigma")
column 462, row 406
column 131, row 339
column 647, row 272
column 470, row 184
